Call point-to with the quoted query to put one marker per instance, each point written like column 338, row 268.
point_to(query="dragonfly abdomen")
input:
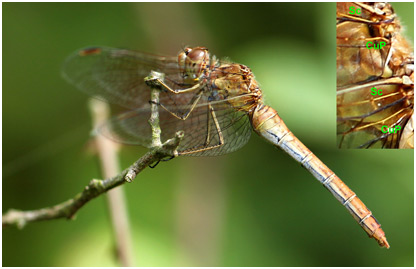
column 267, row 123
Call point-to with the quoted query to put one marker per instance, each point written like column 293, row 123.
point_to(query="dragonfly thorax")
column 236, row 83
column 192, row 63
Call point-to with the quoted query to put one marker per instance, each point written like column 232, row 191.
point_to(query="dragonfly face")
column 193, row 62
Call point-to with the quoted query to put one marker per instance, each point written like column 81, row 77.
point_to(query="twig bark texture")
column 95, row 188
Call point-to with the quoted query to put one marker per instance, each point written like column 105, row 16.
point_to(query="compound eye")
column 187, row 50
column 192, row 61
column 196, row 55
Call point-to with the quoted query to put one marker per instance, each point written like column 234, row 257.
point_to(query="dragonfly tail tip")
column 386, row 244
column 380, row 236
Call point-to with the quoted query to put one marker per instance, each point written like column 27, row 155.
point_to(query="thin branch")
column 152, row 81
column 97, row 187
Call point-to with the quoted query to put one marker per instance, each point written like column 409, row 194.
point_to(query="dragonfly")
column 375, row 79
column 215, row 103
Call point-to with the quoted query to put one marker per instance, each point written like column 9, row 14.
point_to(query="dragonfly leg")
column 185, row 115
column 163, row 85
column 155, row 79
column 208, row 137
column 205, row 146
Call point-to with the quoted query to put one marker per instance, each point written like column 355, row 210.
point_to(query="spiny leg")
column 205, row 146
column 177, row 91
column 192, row 103
column 207, row 139
column 157, row 80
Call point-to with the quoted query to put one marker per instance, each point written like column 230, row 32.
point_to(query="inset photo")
column 375, row 81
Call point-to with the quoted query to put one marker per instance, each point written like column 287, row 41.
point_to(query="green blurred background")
column 254, row 207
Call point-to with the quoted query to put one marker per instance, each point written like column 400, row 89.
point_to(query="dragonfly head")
column 192, row 63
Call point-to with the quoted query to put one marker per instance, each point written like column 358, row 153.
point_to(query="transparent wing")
column 360, row 114
column 117, row 75
column 200, row 129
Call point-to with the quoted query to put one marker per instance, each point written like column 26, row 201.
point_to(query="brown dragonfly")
column 216, row 103
column 375, row 79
